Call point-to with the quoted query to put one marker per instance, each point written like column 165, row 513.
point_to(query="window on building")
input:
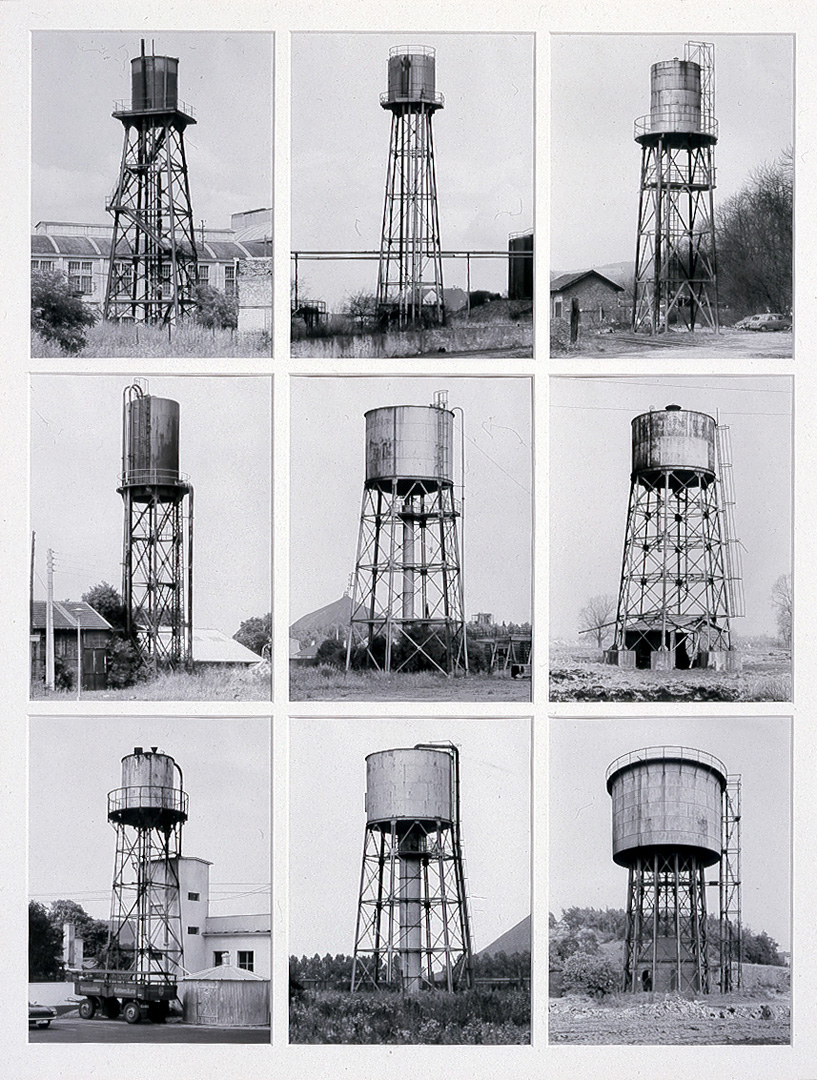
column 246, row 959
column 192, row 929
column 193, row 896
column 557, row 309
column 42, row 264
column 204, row 274
column 229, row 280
column 123, row 278
column 221, row 959
column 80, row 276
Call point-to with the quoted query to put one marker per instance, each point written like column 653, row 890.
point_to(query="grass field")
column 325, row 683
column 189, row 339
column 206, row 685
column 496, row 1017
column 577, row 674
column 752, row 1018
column 676, row 344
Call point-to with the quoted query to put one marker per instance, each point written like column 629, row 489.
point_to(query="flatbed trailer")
column 119, row 992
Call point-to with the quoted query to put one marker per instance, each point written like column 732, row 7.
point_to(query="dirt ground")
column 741, row 344
column 577, row 674
column 722, row 1019
column 332, row 684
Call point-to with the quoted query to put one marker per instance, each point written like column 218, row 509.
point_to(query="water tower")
column 153, row 269
column 675, row 280
column 413, row 928
column 145, row 951
column 407, row 599
column 681, row 571
column 410, row 273
column 676, row 813
column 157, row 559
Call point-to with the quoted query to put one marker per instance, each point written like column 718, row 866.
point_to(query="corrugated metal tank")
column 150, row 791
column 225, row 1002
column 666, row 797
column 409, row 785
column 154, row 83
column 410, row 442
column 152, row 441
column 520, row 267
column 412, row 73
column 675, row 96
column 673, row 438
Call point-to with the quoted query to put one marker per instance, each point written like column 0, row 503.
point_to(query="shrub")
column 124, row 663
column 584, row 973
column 56, row 313
column 215, row 309
column 64, row 674
column 332, row 652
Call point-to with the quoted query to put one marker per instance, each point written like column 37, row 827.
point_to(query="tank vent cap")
column 138, row 750
column 673, row 408
column 154, row 749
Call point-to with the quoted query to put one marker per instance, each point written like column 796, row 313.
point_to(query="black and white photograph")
column 671, row 538
column 410, row 539
column 670, row 881
column 425, row 937
column 153, row 924
column 151, row 538
column 672, row 195
column 412, row 194
column 151, row 194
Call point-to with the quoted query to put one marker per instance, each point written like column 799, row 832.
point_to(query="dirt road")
column 740, row 344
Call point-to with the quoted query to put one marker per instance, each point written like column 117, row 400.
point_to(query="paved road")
column 70, row 1029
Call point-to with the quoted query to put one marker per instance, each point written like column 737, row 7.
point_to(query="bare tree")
column 781, row 598
column 596, row 616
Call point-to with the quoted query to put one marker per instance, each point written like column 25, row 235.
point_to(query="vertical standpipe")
column 410, row 273
column 675, row 268
column 667, row 816
column 413, row 928
column 157, row 559
column 407, row 602
column 153, row 267
column 675, row 596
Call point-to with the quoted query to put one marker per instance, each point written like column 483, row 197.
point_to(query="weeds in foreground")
column 204, row 685
column 324, row 683
column 497, row 1017
column 189, row 339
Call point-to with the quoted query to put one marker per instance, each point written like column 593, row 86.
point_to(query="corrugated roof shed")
column 214, row 647
column 564, row 281
column 223, row 973
column 89, row 618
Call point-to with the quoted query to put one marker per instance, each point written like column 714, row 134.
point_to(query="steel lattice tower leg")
column 408, row 587
column 153, row 267
column 675, row 243
column 412, row 919
column 665, row 945
column 157, row 580
column 674, row 594
column 410, row 273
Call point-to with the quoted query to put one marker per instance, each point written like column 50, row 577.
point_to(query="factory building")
column 237, row 261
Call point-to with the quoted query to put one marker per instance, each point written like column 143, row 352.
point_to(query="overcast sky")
column 75, row 761
column 327, row 821
column 582, row 871
column 600, row 83
column 225, row 448
column 327, row 474
column 590, row 460
column 77, row 144
column 483, row 144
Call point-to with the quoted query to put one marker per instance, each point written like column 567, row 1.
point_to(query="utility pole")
column 49, row 623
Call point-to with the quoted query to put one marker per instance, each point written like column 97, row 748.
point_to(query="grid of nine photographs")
column 409, row 658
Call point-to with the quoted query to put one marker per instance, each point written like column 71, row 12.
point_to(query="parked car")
column 767, row 320
column 40, row 1015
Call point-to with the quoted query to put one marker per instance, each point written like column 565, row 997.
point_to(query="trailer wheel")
column 132, row 1012
column 87, row 1008
column 110, row 1006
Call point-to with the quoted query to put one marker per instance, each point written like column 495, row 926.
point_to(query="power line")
column 496, row 463
column 658, row 383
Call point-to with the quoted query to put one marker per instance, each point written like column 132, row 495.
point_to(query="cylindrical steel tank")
column 675, row 96
column 666, row 797
column 154, row 83
column 674, row 438
column 152, row 442
column 412, row 74
column 409, row 785
column 151, row 793
column 410, row 443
